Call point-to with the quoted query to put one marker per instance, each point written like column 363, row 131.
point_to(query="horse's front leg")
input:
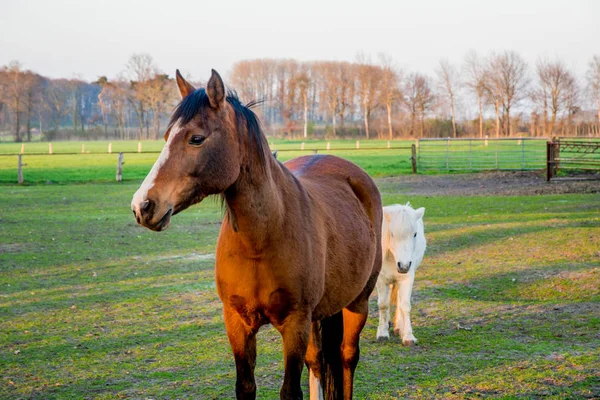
column 403, row 324
column 383, row 302
column 295, row 332
column 243, row 345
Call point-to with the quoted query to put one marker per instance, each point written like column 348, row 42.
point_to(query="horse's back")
column 326, row 172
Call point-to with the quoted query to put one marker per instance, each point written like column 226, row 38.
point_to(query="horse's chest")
column 259, row 310
column 257, row 297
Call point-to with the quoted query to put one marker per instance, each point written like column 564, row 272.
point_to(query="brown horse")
column 299, row 246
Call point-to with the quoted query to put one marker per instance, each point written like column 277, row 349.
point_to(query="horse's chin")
column 164, row 222
column 403, row 271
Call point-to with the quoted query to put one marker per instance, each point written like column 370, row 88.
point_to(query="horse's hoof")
column 397, row 331
column 382, row 338
column 408, row 343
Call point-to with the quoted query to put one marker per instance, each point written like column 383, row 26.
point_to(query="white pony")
column 403, row 243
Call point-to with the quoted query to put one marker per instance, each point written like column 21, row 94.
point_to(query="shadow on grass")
column 510, row 286
column 477, row 235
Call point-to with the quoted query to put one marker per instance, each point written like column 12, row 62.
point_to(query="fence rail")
column 21, row 157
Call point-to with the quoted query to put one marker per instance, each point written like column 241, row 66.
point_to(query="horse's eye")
column 197, row 140
column 415, row 234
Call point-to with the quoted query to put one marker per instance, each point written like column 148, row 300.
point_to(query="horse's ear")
column 184, row 86
column 215, row 89
column 419, row 212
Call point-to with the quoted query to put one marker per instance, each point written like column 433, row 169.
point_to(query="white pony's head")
column 400, row 230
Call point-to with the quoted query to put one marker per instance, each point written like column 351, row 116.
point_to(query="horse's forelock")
column 403, row 218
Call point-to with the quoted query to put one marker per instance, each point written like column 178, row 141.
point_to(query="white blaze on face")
column 141, row 195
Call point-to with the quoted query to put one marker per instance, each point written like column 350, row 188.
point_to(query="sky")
column 85, row 39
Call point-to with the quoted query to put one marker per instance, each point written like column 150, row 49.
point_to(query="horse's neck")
column 255, row 206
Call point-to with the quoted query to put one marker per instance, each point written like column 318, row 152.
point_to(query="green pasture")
column 98, row 166
column 92, row 306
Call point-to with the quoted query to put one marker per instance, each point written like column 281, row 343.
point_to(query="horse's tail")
column 332, row 333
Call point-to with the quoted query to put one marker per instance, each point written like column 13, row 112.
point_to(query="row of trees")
column 398, row 103
column 496, row 95
column 132, row 105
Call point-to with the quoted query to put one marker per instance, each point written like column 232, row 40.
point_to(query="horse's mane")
column 197, row 102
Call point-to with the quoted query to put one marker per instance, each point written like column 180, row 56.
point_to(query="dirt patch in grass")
column 484, row 183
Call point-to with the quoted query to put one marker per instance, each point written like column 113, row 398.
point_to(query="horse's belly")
column 348, row 271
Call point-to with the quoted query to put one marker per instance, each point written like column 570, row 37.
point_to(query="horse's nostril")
column 145, row 205
column 409, row 264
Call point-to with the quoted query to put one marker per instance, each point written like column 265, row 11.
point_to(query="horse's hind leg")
column 355, row 317
column 243, row 345
column 314, row 360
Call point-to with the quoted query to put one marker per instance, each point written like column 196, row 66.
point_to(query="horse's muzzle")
column 403, row 268
column 145, row 215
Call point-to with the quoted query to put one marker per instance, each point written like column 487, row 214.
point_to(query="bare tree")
column 475, row 72
column 326, row 73
column 159, row 95
column 368, row 79
column 593, row 81
column 13, row 94
column 508, row 74
column 32, row 98
column 55, row 100
column 419, row 99
column 303, row 82
column 390, row 88
column 140, row 69
column 555, row 88
column 449, row 81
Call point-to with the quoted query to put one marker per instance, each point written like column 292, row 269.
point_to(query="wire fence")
column 501, row 154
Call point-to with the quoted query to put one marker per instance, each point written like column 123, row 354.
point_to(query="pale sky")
column 67, row 38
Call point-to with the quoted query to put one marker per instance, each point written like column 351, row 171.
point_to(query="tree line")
column 494, row 95
column 131, row 106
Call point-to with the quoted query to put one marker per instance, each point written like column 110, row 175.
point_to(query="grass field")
column 506, row 303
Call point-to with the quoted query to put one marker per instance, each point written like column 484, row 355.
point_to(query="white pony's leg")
column 404, row 306
column 388, row 314
column 383, row 301
column 316, row 390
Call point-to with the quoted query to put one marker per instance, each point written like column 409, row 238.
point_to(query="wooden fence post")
column 139, row 147
column 22, row 148
column 413, row 158
column 302, row 146
column 328, row 146
column 549, row 161
column 109, row 148
column 82, row 148
column 20, row 170
column 120, row 167
column 358, row 144
column 49, row 148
